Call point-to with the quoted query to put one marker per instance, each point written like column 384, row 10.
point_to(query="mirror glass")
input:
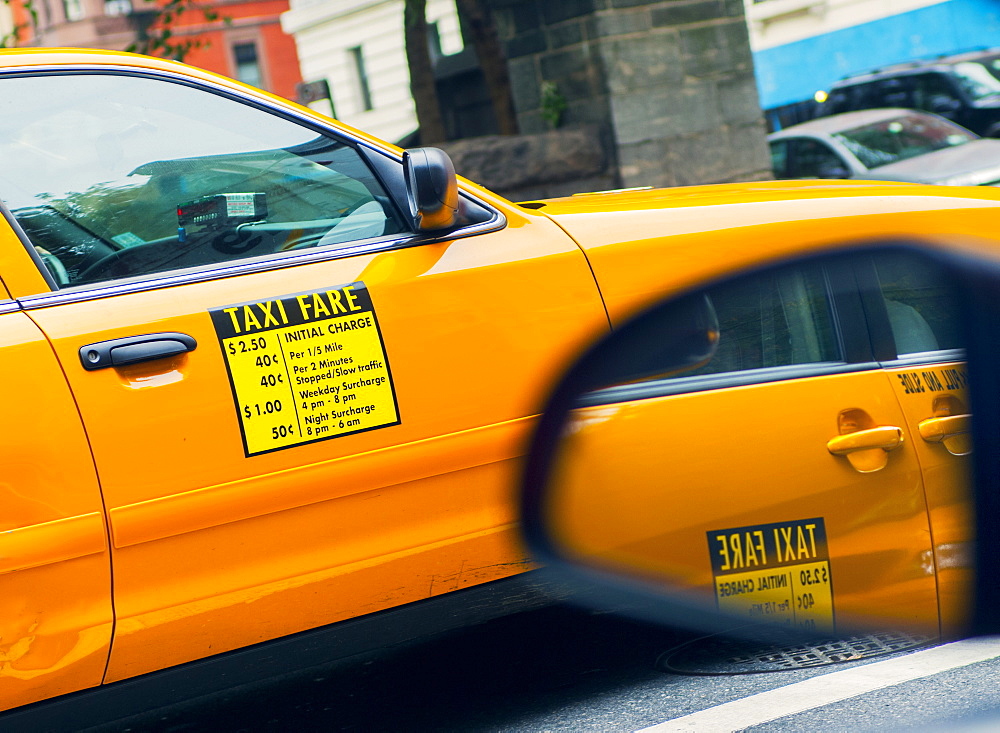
column 801, row 457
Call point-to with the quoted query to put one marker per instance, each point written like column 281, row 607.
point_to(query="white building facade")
column 357, row 46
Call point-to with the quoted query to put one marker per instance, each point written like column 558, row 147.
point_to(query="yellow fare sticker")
column 306, row 367
column 774, row 572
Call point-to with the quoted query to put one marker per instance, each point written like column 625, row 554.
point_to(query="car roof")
column 847, row 120
column 937, row 63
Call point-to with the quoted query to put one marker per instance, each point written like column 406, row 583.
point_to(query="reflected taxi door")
column 915, row 328
column 783, row 465
column 936, row 405
column 342, row 437
column 55, row 567
column 790, row 529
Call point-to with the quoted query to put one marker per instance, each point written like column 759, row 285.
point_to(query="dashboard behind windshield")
column 899, row 138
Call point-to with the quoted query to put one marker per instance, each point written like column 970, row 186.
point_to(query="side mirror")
column 431, row 189
column 739, row 453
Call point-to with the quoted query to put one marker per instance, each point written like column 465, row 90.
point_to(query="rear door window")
column 778, row 320
column 919, row 305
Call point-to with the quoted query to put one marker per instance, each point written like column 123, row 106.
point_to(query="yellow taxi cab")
column 265, row 373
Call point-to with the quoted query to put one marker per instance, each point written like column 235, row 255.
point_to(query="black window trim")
column 155, row 281
column 714, row 382
column 939, row 356
column 848, row 313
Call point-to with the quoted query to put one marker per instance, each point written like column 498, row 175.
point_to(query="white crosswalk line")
column 833, row 687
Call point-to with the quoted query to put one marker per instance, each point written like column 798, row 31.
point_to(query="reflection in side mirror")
column 431, row 189
column 807, row 465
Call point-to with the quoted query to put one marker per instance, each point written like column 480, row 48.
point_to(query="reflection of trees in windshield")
column 899, row 138
column 144, row 209
column 108, row 210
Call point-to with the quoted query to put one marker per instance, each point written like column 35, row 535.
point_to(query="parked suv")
column 965, row 88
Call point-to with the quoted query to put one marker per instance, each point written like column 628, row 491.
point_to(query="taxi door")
column 789, row 481
column 915, row 329
column 300, row 413
column 55, row 567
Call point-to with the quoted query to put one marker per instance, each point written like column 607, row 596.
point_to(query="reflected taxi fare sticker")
column 306, row 367
column 774, row 572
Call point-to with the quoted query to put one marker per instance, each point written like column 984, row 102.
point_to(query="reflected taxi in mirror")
column 272, row 376
column 776, row 481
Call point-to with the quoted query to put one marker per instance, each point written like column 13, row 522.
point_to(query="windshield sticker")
column 128, row 239
column 774, row 572
column 306, row 367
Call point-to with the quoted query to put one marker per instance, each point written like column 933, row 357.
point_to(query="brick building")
column 245, row 41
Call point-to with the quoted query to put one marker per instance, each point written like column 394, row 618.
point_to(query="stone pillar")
column 670, row 82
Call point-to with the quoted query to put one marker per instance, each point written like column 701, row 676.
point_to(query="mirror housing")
column 431, row 189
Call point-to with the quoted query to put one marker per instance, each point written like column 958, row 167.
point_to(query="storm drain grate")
column 723, row 655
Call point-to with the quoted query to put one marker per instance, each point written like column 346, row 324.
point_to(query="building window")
column 363, row 89
column 73, row 10
column 247, row 64
column 117, row 7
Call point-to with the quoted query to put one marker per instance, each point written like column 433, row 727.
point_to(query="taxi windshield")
column 898, row 138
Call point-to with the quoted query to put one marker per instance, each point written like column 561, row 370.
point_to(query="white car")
column 886, row 145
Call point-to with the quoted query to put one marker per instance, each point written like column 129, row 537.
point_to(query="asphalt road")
column 566, row 669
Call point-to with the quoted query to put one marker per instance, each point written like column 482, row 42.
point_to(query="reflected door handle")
column 951, row 431
column 885, row 437
column 135, row 349
column 936, row 429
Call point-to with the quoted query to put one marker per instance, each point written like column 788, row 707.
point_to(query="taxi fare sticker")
column 774, row 572
column 306, row 367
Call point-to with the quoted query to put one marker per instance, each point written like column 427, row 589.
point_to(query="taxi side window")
column 779, row 158
column 115, row 176
column 919, row 305
column 775, row 320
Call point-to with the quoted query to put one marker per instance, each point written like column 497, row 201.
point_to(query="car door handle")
column 951, row 431
column 135, row 349
column 936, row 429
column 885, row 437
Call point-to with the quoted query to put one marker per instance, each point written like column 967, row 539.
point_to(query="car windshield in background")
column 899, row 138
column 979, row 80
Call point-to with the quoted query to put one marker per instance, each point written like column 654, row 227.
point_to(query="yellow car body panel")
column 217, row 543
column 55, row 568
column 644, row 245
column 929, row 394
column 752, row 456
column 215, row 550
